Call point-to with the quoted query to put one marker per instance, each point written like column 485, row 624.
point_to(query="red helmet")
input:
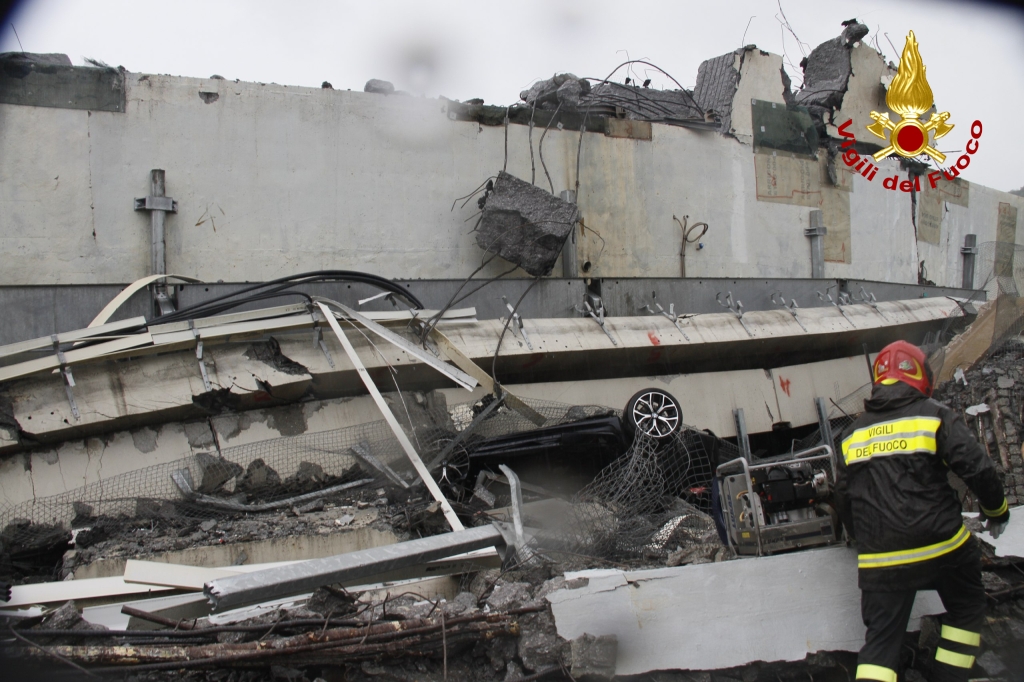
column 902, row 361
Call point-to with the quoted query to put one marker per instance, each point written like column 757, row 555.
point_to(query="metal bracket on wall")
column 517, row 323
column 67, row 376
column 670, row 315
column 843, row 299
column 594, row 307
column 816, row 233
column 199, row 356
column 869, row 298
column 318, row 338
column 202, row 367
column 735, row 308
column 969, row 251
column 790, row 307
column 158, row 205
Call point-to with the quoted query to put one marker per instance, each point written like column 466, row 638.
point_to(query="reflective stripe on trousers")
column 912, row 556
column 875, row 672
column 957, row 647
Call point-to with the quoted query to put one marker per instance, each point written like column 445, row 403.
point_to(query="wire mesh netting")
column 271, row 475
column 652, row 502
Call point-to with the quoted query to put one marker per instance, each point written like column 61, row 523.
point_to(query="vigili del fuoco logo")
column 910, row 96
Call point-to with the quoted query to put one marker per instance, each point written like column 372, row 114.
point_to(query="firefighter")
column 899, row 509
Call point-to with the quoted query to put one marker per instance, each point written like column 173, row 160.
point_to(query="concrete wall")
column 273, row 180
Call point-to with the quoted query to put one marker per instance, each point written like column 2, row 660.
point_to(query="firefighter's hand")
column 995, row 528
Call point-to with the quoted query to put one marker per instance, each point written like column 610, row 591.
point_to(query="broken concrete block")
column 464, row 603
column 500, row 651
column 540, row 646
column 482, row 582
column 148, row 508
column 1004, row 382
column 564, row 88
column 379, row 86
column 524, row 224
column 216, row 471
column 594, row 656
column 84, row 513
column 506, row 595
column 717, row 82
column 309, row 472
column 66, row 618
column 257, row 476
column 827, row 71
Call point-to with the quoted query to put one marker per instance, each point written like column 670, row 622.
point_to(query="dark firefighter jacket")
column 892, row 490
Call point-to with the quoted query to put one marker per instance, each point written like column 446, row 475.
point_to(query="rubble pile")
column 990, row 397
column 498, row 628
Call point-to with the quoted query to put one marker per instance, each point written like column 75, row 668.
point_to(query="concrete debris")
column 827, row 72
column 594, row 656
column 506, row 595
column 992, row 404
column 717, row 82
column 563, row 88
column 567, row 93
column 258, row 476
column 215, row 471
column 379, row 86
column 18, row 64
column 524, row 224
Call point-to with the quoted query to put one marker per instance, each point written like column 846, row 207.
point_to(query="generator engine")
column 779, row 504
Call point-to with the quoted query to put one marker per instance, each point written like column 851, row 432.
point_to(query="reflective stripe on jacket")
column 896, row 437
column 892, row 490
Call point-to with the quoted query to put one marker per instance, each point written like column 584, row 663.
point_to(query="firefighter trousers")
column 886, row 615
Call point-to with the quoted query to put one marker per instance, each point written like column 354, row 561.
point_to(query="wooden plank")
column 61, row 591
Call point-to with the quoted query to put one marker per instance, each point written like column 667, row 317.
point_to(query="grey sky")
column 974, row 52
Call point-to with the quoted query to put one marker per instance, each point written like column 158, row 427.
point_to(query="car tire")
column 654, row 413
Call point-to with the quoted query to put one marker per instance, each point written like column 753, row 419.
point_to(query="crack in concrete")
column 60, row 468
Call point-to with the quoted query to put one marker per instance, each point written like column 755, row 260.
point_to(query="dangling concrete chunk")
column 524, row 224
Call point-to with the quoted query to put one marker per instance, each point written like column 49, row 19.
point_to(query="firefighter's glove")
column 996, row 525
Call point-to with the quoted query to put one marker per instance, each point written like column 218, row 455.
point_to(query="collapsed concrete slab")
column 808, row 601
column 151, row 390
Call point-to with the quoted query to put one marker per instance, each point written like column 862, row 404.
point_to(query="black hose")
column 206, row 308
